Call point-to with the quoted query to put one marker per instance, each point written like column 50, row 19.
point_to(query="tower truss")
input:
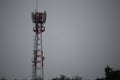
column 39, row 20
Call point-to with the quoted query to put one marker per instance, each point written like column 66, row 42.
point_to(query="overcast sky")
column 82, row 37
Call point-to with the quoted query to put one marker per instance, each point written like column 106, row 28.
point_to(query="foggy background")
column 82, row 37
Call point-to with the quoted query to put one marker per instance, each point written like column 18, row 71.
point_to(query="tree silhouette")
column 111, row 74
column 76, row 78
column 63, row 77
column 3, row 79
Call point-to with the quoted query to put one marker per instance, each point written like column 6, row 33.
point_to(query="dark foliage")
column 63, row 77
column 3, row 79
column 110, row 74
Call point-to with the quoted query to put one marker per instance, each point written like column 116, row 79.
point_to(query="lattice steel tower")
column 39, row 20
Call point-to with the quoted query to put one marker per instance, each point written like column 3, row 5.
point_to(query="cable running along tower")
column 39, row 19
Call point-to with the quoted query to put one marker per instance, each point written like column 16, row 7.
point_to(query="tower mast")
column 39, row 19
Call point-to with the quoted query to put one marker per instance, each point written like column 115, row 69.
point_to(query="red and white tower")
column 39, row 20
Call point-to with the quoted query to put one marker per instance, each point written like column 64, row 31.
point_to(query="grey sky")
column 81, row 37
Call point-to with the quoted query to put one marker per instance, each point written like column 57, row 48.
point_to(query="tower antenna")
column 36, row 9
column 39, row 19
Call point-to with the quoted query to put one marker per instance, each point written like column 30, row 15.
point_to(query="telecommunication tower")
column 39, row 19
